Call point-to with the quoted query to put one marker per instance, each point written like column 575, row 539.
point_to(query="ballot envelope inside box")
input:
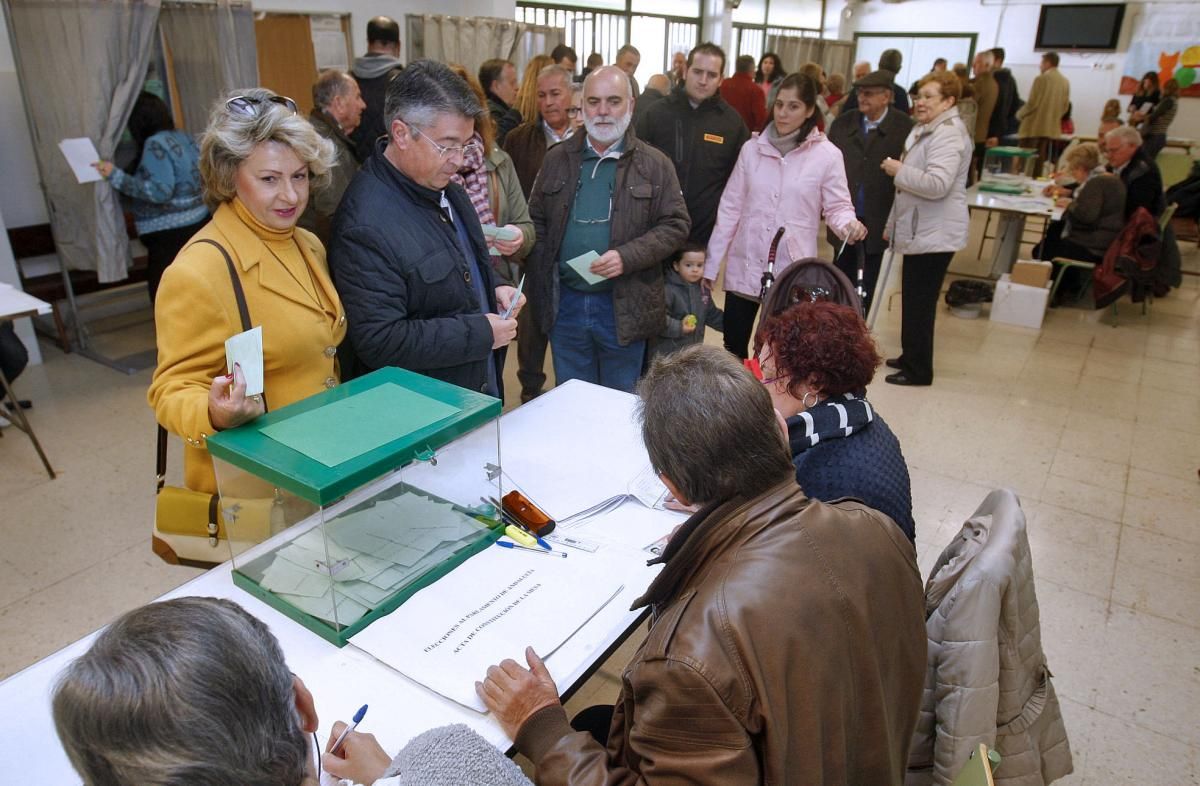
column 340, row 507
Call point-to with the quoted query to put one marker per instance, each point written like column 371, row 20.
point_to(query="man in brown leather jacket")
column 787, row 637
column 606, row 194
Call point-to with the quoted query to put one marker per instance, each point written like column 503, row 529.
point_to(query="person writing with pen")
column 196, row 691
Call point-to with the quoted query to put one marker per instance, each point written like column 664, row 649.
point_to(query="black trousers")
column 13, row 356
column 921, row 284
column 739, row 323
column 1075, row 280
column 595, row 720
column 161, row 250
column 531, row 354
column 848, row 264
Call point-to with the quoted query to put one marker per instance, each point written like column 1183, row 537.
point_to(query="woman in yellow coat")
column 258, row 161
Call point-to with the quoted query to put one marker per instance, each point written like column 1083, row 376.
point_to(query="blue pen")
column 504, row 544
column 358, row 716
column 513, row 304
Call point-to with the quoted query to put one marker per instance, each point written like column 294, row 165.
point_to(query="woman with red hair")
column 817, row 359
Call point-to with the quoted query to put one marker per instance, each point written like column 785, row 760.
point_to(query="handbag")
column 189, row 526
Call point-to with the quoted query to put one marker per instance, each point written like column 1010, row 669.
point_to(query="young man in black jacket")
column 701, row 134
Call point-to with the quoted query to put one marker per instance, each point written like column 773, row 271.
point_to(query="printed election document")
column 489, row 608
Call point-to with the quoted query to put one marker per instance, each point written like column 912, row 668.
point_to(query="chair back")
column 978, row 769
column 1166, row 216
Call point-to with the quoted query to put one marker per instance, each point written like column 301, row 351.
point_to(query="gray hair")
column 187, row 692
column 629, row 49
column 709, row 426
column 557, row 70
column 1126, row 134
column 231, row 138
column 426, row 89
column 610, row 70
column 332, row 83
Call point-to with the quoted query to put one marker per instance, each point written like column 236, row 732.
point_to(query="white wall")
column 21, row 199
column 1095, row 78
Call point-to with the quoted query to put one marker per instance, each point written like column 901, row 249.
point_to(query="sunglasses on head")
column 248, row 106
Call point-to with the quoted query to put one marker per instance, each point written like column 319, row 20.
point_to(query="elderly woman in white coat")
column 929, row 218
column 788, row 176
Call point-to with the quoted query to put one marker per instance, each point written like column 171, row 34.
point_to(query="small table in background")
column 1012, row 210
column 15, row 304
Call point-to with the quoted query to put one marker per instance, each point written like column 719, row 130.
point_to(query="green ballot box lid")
column 325, row 446
column 1011, row 152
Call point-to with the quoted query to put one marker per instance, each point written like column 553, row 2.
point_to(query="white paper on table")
column 246, row 350
column 81, row 154
column 490, row 608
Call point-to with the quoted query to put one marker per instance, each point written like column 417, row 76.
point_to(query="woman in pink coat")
column 788, row 176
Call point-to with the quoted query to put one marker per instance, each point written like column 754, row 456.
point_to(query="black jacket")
column 703, row 144
column 1008, row 101
column 405, row 284
column 504, row 116
column 863, row 156
column 1143, row 185
column 373, row 89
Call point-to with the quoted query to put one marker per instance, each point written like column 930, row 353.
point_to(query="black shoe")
column 24, row 402
column 902, row 378
column 893, row 363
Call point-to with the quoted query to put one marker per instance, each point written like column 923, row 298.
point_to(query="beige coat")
column 987, row 679
column 929, row 213
column 1048, row 100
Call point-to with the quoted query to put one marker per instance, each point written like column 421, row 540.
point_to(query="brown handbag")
column 189, row 526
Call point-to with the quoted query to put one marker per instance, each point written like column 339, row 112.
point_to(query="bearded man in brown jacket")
column 787, row 637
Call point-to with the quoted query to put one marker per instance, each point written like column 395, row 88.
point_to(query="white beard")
column 607, row 133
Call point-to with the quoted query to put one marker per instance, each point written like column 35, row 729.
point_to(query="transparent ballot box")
column 341, row 506
column 1006, row 169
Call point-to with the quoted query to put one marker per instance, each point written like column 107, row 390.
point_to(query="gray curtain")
column 81, row 64
column 212, row 48
column 469, row 41
column 834, row 56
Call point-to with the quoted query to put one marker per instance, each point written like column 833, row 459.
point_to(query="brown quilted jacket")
column 649, row 222
column 786, row 647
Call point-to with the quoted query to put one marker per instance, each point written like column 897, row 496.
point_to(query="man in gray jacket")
column 607, row 210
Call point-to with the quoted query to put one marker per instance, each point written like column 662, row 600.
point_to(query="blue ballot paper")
column 580, row 265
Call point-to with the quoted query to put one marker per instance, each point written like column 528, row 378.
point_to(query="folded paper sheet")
column 372, row 552
column 490, row 608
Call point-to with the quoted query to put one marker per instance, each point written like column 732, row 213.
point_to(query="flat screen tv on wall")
column 1091, row 27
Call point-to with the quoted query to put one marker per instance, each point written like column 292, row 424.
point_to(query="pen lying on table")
column 516, row 547
column 512, row 521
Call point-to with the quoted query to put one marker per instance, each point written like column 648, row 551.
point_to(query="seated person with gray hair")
column 195, row 691
column 787, row 635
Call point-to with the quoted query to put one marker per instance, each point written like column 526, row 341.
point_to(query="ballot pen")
column 512, row 304
column 358, row 716
column 516, row 547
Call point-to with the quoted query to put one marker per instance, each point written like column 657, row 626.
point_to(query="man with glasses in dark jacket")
column 408, row 255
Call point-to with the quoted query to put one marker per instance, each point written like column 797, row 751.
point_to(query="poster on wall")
column 1166, row 42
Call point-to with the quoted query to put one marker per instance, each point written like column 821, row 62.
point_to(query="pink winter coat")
column 767, row 191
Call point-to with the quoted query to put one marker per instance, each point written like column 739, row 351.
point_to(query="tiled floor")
column 1097, row 428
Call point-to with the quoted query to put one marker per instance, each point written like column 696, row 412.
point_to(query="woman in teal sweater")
column 164, row 188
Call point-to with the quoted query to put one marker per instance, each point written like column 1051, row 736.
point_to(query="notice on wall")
column 329, row 43
column 490, row 608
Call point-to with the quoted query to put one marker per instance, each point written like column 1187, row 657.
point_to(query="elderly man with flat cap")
column 866, row 135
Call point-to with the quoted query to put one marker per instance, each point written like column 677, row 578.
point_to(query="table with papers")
column 420, row 690
column 1012, row 210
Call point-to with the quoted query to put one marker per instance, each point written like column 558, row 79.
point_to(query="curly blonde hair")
column 230, row 138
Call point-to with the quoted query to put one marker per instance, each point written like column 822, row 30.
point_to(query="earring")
column 804, row 400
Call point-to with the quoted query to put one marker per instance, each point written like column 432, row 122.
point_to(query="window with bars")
column 607, row 25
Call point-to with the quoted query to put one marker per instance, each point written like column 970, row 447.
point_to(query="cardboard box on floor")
column 1017, row 304
column 1031, row 272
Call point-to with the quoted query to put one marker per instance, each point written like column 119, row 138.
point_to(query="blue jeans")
column 584, row 344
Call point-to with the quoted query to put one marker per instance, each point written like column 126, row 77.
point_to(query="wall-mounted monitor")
column 1092, row 27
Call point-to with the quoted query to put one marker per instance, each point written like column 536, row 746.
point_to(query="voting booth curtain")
column 81, row 64
column 835, row 57
column 210, row 50
column 470, row 41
